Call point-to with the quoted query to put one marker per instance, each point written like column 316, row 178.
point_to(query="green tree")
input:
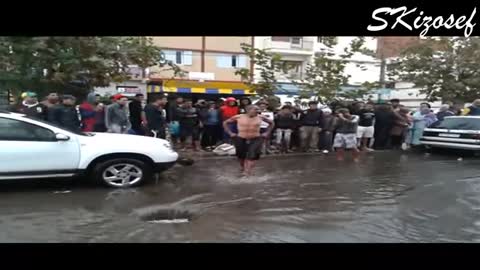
column 267, row 64
column 73, row 64
column 445, row 68
column 325, row 76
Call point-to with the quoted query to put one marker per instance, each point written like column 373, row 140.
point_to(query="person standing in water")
column 248, row 142
column 346, row 126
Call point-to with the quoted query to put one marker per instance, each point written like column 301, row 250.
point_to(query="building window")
column 291, row 66
column 178, row 57
column 296, row 40
column 231, row 61
column 390, row 85
column 283, row 38
column 183, row 58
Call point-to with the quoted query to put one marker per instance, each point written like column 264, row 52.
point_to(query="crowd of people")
column 357, row 127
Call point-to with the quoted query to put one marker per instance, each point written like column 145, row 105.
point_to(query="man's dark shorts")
column 189, row 131
column 249, row 149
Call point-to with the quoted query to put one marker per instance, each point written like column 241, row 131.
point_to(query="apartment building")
column 391, row 48
column 209, row 64
column 298, row 52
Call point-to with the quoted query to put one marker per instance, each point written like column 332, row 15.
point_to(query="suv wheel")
column 122, row 173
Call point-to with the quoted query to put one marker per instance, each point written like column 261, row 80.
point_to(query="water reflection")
column 385, row 198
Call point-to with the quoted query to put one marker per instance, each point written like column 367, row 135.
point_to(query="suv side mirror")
column 61, row 137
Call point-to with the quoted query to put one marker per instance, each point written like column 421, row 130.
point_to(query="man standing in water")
column 248, row 142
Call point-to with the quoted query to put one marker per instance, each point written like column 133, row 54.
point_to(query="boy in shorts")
column 346, row 138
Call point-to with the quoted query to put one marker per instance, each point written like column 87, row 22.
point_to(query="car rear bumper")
column 443, row 144
column 163, row 166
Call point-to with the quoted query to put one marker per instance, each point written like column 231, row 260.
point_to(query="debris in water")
column 165, row 215
column 169, row 221
column 62, row 192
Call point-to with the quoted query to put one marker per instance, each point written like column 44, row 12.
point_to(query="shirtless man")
column 248, row 142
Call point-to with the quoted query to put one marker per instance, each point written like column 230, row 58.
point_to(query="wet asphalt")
column 386, row 197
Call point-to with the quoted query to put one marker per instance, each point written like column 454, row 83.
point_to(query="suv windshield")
column 460, row 123
column 57, row 126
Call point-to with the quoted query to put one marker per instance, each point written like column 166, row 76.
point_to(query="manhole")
column 167, row 216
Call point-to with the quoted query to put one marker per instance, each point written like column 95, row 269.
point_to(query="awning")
column 195, row 87
column 154, row 88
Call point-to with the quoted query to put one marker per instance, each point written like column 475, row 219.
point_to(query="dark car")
column 455, row 132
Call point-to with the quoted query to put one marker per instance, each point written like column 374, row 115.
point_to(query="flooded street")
column 387, row 197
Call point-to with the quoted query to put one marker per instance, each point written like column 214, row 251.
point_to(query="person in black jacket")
column 135, row 109
column 285, row 124
column 244, row 102
column 30, row 107
column 312, row 123
column 65, row 115
column 190, row 125
column 156, row 116
column 384, row 119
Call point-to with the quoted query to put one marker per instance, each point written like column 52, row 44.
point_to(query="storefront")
column 128, row 88
column 194, row 89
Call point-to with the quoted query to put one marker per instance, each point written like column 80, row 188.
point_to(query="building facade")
column 390, row 48
column 298, row 52
column 209, row 64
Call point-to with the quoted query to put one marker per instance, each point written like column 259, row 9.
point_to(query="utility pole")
column 383, row 64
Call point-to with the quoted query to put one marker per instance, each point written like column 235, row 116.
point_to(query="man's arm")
column 354, row 119
column 229, row 121
column 143, row 117
column 321, row 122
column 148, row 117
column 107, row 117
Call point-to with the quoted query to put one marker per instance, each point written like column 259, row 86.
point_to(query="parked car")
column 32, row 148
column 455, row 132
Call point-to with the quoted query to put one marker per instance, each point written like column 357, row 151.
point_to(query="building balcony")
column 297, row 47
column 289, row 76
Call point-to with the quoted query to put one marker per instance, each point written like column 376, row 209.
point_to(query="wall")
column 221, row 74
column 230, row 44
column 214, row 46
column 164, row 72
column 393, row 46
column 178, row 42
column 410, row 96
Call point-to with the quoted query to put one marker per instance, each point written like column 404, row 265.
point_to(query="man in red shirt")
column 88, row 111
column 227, row 111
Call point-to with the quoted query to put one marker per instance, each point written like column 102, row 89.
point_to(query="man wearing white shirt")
column 264, row 125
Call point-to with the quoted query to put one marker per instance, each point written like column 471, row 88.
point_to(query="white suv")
column 35, row 149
